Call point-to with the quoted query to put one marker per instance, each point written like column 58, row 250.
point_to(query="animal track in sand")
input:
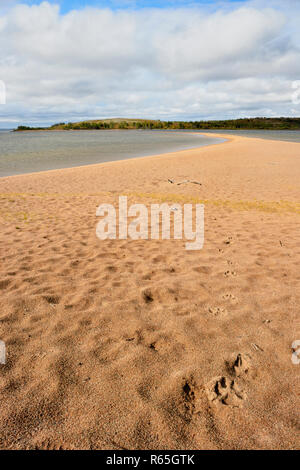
column 189, row 395
column 232, row 298
column 137, row 337
column 216, row 311
column 224, row 390
column 75, row 264
column 162, row 343
column 163, row 294
column 241, row 365
column 171, row 269
column 147, row 296
column 230, row 273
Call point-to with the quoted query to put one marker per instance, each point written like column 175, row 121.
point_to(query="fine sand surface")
column 123, row 344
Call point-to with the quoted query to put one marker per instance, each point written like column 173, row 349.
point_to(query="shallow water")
column 28, row 152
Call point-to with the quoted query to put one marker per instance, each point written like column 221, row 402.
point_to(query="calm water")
column 28, row 152
column 38, row 151
column 289, row 136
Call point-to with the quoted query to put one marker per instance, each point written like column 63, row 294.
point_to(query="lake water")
column 28, row 152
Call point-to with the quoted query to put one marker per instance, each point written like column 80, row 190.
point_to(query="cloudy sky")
column 64, row 60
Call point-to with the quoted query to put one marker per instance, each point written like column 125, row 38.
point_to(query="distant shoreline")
column 259, row 123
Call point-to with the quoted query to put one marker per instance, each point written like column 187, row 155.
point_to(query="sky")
column 63, row 60
column 68, row 5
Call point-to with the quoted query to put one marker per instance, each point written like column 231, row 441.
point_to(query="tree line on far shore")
column 281, row 123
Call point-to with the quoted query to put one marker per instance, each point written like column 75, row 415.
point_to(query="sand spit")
column 123, row 344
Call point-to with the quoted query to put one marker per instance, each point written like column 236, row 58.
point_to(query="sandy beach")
column 124, row 344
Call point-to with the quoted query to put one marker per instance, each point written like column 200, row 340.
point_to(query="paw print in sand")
column 217, row 311
column 230, row 297
column 225, row 391
column 230, row 273
column 228, row 241
column 241, row 365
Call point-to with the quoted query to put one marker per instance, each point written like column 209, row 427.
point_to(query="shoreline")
column 125, row 159
column 185, row 157
column 228, row 138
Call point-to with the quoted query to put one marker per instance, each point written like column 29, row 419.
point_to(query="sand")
column 123, row 344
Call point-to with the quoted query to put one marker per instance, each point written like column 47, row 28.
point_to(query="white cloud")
column 185, row 63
